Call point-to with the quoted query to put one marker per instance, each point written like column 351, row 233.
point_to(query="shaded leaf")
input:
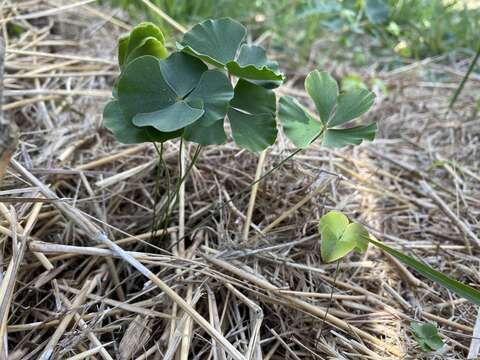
column 215, row 91
column 171, row 118
column 142, row 87
column 253, row 122
column 182, row 72
column 297, row 124
column 350, row 105
column 123, row 49
column 323, row 90
column 253, row 99
column 212, row 134
column 124, row 131
column 335, row 138
column 252, row 132
column 214, row 41
column 252, row 63
column 427, row 336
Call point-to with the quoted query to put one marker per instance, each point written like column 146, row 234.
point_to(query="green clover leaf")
column 157, row 99
column 115, row 120
column 299, row 126
column 334, row 109
column 218, row 42
column 426, row 336
column 163, row 97
column 253, row 122
column 340, row 237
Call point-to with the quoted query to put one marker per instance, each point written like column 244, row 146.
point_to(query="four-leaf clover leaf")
column 158, row 99
column 219, row 42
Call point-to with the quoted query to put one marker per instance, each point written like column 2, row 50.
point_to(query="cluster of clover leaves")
column 189, row 93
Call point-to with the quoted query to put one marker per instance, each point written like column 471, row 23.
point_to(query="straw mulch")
column 199, row 289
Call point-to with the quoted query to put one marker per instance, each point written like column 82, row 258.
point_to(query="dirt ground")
column 64, row 295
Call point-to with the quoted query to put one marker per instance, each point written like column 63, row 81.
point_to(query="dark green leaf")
column 323, row 90
column 115, row 121
column 335, row 138
column 182, row 72
column 171, row 118
column 214, row 41
column 215, row 91
column 252, row 63
column 252, row 116
column 427, row 336
column 252, row 132
column 453, row 285
column 253, row 99
column 123, row 49
column 213, row 134
column 142, row 88
column 350, row 105
column 297, row 124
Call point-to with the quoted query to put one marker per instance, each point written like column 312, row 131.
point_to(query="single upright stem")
column 465, row 78
column 253, row 195
column 181, row 201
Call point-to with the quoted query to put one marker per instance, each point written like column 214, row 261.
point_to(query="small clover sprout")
column 158, row 98
column 340, row 236
column 334, row 109
column 426, row 336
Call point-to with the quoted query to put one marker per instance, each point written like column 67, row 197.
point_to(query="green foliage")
column 336, row 243
column 217, row 42
column 335, row 109
column 426, row 336
column 340, row 237
column 145, row 39
column 411, row 28
column 158, row 98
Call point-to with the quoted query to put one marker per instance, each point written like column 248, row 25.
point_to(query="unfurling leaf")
column 145, row 39
column 339, row 237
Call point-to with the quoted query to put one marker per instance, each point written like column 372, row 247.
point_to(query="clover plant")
column 188, row 93
column 340, row 237
column 335, row 109
column 426, row 336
